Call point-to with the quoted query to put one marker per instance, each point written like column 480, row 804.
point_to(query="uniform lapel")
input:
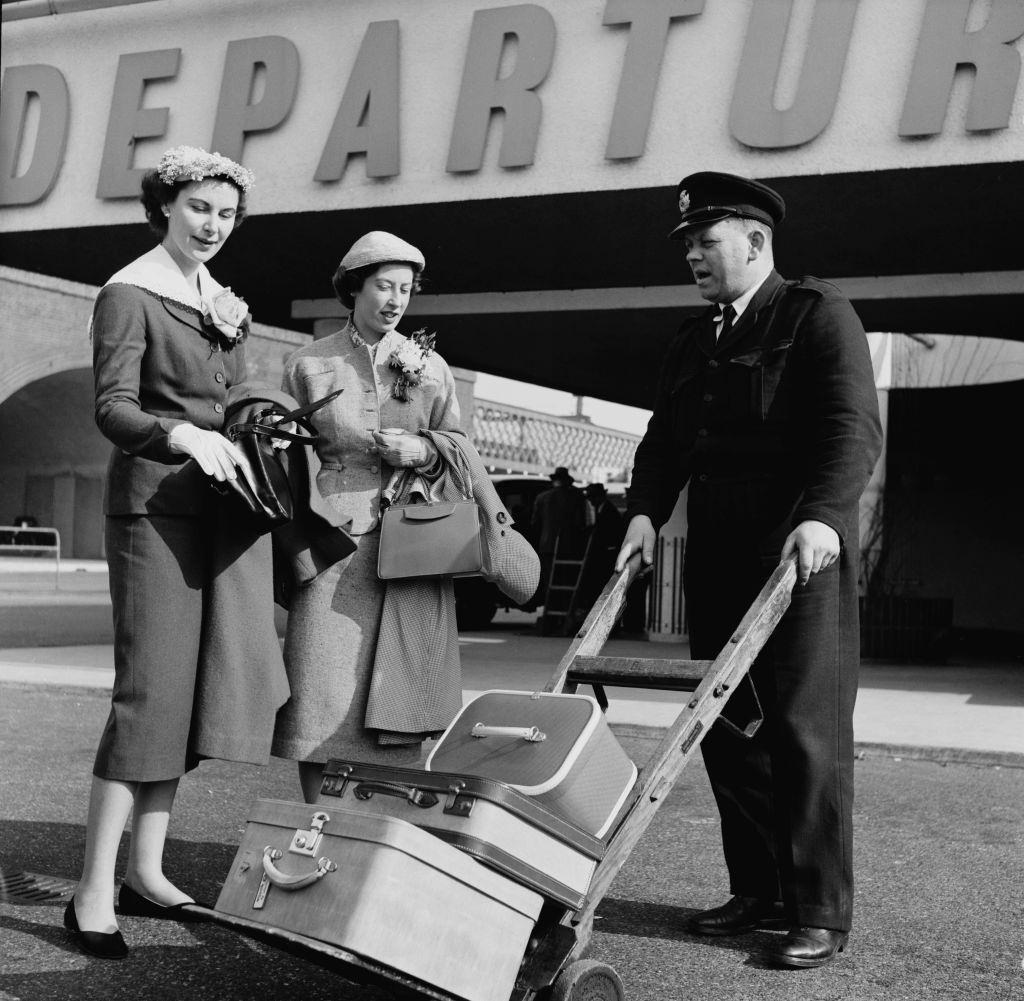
column 762, row 297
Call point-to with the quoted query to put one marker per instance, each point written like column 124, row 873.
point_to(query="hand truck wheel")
column 588, row 980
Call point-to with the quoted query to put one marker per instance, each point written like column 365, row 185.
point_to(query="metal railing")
column 25, row 540
column 527, row 441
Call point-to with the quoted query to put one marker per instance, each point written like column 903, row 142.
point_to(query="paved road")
column 940, row 897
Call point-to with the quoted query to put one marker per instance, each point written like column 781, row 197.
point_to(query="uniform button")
column 703, row 432
column 219, row 376
column 708, row 397
column 373, row 469
column 501, row 518
column 219, row 407
column 703, row 477
column 712, row 363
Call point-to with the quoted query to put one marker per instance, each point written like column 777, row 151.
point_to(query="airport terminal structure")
column 532, row 151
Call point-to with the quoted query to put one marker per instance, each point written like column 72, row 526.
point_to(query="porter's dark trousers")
column 786, row 795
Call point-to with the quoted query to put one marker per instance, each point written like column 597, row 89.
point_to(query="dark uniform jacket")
column 776, row 423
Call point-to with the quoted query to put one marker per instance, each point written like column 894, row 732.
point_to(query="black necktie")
column 728, row 315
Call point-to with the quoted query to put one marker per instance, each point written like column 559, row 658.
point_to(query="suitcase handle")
column 418, row 797
column 296, row 882
column 530, row 733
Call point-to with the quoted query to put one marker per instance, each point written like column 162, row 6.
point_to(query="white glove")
column 217, row 457
column 402, row 450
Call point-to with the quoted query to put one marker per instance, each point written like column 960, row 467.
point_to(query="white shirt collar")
column 740, row 304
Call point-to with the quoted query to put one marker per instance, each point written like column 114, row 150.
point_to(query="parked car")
column 477, row 600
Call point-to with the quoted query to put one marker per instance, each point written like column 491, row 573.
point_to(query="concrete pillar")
column 64, row 511
column 665, row 602
column 872, row 500
column 465, row 390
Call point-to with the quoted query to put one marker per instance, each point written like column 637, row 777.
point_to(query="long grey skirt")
column 329, row 648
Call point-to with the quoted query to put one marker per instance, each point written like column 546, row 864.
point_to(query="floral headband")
column 190, row 163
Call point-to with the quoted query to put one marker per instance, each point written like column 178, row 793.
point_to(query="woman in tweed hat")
column 393, row 386
column 373, row 665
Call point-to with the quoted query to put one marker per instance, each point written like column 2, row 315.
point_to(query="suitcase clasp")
column 307, row 842
column 457, row 805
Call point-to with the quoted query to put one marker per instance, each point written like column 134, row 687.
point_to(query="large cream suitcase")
column 384, row 889
column 489, row 820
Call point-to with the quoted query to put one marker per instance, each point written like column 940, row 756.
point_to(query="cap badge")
column 684, row 202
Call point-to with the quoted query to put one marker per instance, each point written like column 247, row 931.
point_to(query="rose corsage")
column 409, row 360
column 228, row 314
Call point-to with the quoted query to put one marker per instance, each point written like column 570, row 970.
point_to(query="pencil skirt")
column 159, row 569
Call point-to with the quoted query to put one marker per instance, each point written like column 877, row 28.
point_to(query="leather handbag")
column 262, row 489
column 437, row 538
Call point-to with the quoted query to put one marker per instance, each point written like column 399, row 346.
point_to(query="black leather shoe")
column 132, row 902
column 739, row 915
column 105, row 945
column 809, row 947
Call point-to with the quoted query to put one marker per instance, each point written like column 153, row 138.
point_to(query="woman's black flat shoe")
column 132, row 902
column 103, row 944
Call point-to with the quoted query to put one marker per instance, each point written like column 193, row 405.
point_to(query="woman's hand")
column 217, row 457
column 402, row 450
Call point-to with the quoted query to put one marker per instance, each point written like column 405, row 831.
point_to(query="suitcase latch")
column 307, row 842
column 334, row 785
column 457, row 805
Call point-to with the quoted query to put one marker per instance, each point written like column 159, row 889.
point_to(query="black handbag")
column 262, row 489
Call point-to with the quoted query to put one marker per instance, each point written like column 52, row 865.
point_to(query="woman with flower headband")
column 397, row 390
column 190, row 588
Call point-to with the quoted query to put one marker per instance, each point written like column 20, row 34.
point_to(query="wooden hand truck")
column 554, row 967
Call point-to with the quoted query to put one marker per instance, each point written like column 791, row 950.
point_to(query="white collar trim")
column 157, row 272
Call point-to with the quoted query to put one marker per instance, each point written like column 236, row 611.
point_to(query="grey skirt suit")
column 191, row 594
column 334, row 622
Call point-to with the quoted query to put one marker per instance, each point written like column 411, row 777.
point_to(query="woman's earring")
column 167, row 212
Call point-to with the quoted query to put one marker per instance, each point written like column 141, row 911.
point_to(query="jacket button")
column 219, row 408
column 708, row 397
column 219, row 376
column 703, row 432
column 373, row 469
column 500, row 516
column 712, row 363
column 703, row 477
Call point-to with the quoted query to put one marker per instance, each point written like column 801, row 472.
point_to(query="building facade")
column 532, row 150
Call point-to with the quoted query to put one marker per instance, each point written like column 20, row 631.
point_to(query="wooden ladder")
column 560, row 597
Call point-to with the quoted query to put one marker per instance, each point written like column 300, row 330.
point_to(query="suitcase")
column 555, row 748
column 489, row 820
column 384, row 889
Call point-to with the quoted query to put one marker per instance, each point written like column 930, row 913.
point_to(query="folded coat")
column 416, row 688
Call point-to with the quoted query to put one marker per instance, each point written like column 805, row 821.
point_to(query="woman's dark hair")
column 157, row 193
column 348, row 281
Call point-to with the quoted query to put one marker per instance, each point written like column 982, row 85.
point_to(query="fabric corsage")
column 409, row 360
column 227, row 314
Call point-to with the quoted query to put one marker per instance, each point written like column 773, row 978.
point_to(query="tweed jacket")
column 351, row 478
column 155, row 366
